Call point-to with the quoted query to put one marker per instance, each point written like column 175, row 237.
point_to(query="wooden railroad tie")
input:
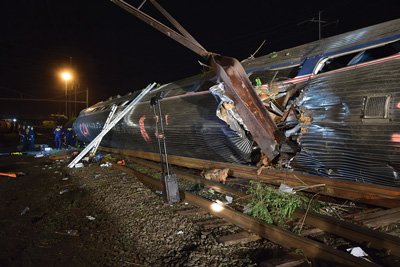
column 242, row 237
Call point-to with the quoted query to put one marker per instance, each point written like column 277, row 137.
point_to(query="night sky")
column 112, row 52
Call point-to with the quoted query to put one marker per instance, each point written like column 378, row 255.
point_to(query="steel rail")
column 359, row 234
column 313, row 250
column 378, row 195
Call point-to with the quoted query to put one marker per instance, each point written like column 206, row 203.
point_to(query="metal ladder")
column 113, row 109
column 111, row 125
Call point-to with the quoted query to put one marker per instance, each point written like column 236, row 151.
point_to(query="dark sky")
column 113, row 52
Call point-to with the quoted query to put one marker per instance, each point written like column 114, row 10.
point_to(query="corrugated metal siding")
column 193, row 130
column 339, row 143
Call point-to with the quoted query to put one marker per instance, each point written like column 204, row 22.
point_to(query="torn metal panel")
column 248, row 104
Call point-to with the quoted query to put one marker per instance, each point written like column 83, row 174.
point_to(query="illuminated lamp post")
column 66, row 76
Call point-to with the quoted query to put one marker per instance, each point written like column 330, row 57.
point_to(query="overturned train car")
column 337, row 101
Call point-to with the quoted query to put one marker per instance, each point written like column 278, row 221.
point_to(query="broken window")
column 357, row 57
column 268, row 76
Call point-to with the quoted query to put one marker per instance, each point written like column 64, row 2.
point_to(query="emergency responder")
column 31, row 138
column 22, row 138
column 57, row 137
column 68, row 136
column 26, row 147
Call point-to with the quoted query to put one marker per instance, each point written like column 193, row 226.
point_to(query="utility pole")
column 320, row 22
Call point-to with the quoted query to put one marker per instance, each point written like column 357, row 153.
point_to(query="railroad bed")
column 312, row 242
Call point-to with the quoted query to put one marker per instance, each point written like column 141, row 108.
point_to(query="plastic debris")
column 107, row 164
column 286, row 189
column 357, row 252
column 39, row 155
column 228, row 199
column 63, row 191
column 8, row 174
column 65, row 179
column 85, row 159
column 25, row 211
column 79, row 165
column 121, row 162
column 90, row 218
column 123, row 173
column 159, row 192
column 96, row 158
column 13, row 175
column 179, row 233
column 72, row 232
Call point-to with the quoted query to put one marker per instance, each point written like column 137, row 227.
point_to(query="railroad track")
column 379, row 195
column 315, row 251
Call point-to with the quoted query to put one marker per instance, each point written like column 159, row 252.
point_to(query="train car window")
column 269, row 76
column 375, row 109
column 354, row 58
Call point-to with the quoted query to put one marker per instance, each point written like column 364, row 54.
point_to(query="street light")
column 66, row 76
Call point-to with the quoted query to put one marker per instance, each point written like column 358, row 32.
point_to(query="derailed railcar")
column 192, row 128
column 336, row 100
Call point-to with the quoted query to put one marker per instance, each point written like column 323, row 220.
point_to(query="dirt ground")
column 97, row 216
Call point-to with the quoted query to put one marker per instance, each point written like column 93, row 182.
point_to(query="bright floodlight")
column 66, row 76
column 217, row 206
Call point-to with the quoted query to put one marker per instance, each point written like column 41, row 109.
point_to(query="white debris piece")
column 357, row 252
column 79, row 165
column 91, row 218
column 228, row 199
column 286, row 189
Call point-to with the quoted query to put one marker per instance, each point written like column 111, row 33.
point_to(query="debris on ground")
column 216, row 175
column 107, row 164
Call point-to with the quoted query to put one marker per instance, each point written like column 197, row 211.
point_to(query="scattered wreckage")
column 332, row 108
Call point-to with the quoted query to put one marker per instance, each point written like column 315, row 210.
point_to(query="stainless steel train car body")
column 337, row 99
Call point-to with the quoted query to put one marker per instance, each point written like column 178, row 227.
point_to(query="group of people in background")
column 69, row 136
column 27, row 138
